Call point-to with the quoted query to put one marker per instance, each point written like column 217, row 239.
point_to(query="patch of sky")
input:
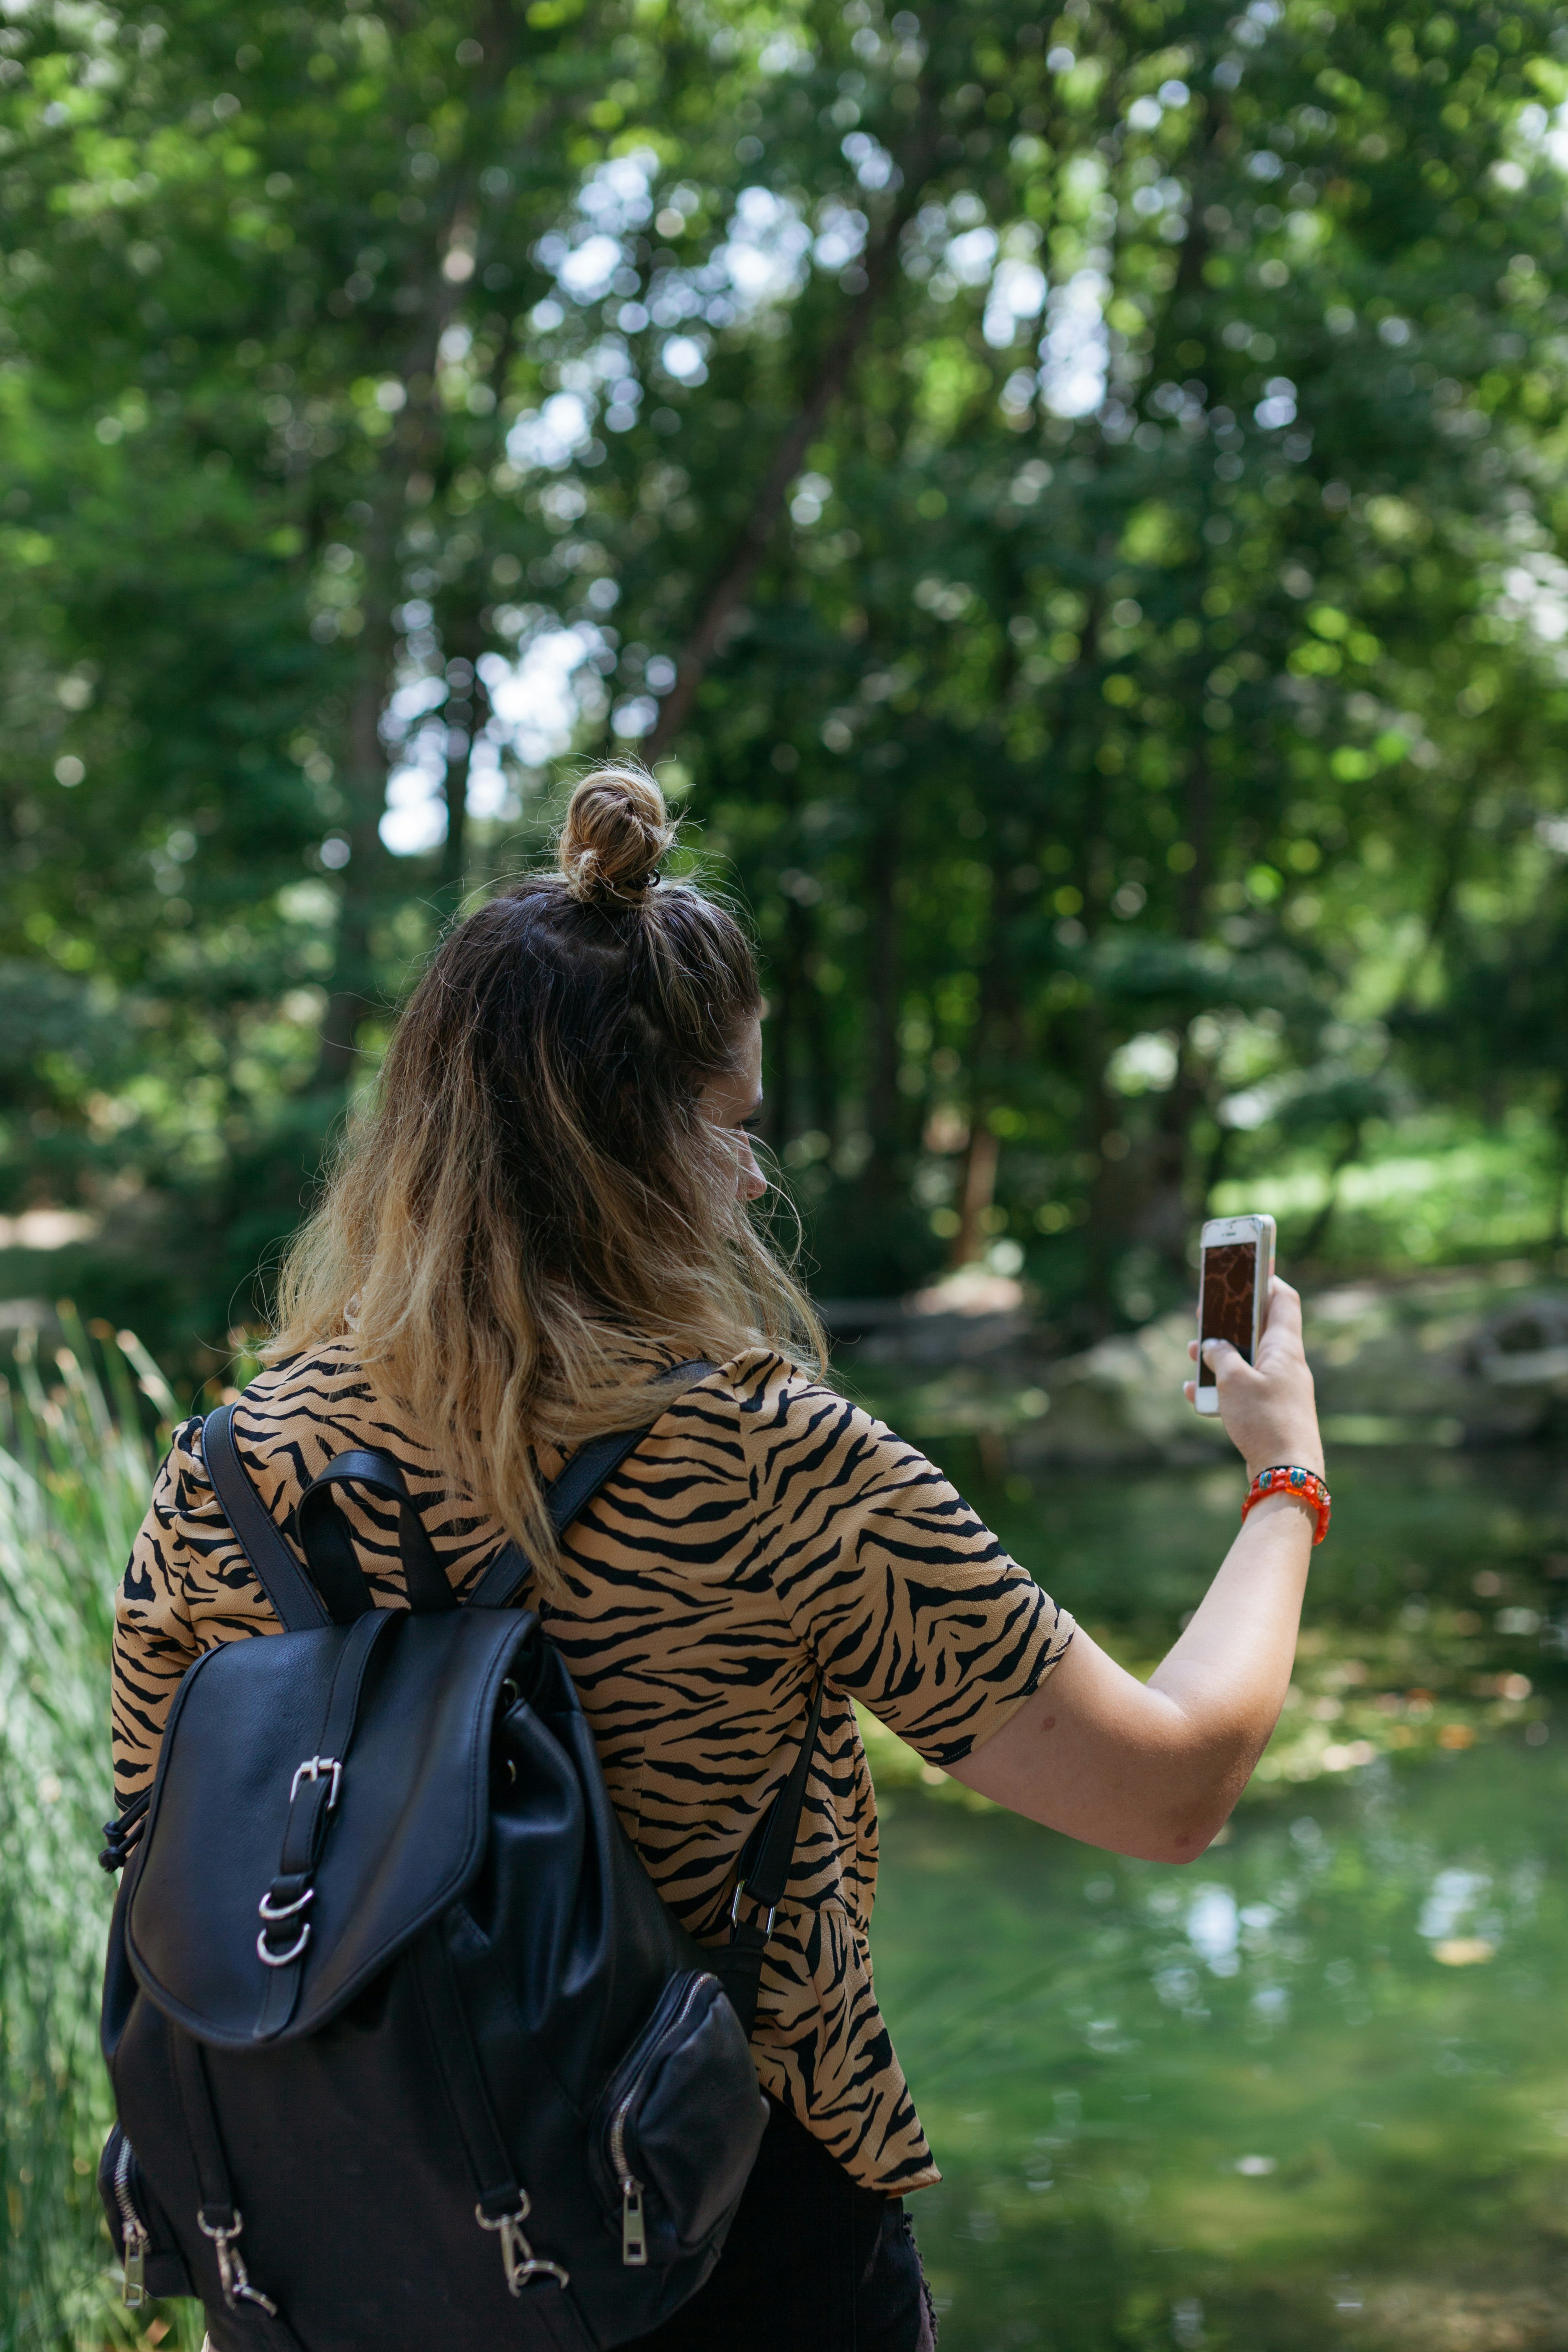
column 1277, row 408
column 972, row 255
column 1157, row 196
column 1253, row 28
column 871, row 164
column 536, row 698
column 760, row 261
column 635, row 717
column 764, row 253
column 840, row 235
column 550, row 437
column 1541, row 134
column 1535, row 593
column 415, row 816
column 812, row 493
column 1018, row 285
column 1076, row 351
column 587, row 271
column 784, row 52
column 685, row 358
column 617, row 197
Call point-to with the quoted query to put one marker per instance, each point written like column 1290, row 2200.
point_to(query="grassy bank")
column 77, row 1456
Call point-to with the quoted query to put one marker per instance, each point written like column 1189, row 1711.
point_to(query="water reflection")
column 1314, row 2084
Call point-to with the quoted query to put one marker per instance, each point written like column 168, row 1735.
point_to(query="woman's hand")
column 1269, row 1408
column 1153, row 1768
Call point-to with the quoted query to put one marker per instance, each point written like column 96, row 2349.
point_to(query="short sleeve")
column 184, row 1557
column 906, row 1597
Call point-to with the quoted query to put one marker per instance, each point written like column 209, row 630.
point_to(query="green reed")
column 77, row 1462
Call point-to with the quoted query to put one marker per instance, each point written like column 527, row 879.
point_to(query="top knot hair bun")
column 616, row 830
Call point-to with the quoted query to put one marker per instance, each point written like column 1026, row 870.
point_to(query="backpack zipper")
column 134, row 2231
column 634, row 2235
column 634, row 2225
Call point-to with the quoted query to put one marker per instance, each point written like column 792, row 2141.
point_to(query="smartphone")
column 1234, row 1265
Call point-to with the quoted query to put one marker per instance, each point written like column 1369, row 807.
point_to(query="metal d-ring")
column 272, row 1912
column 280, row 1959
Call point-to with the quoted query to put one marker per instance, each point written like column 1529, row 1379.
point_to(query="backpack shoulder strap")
column 566, row 1497
column 280, row 1576
column 763, row 1875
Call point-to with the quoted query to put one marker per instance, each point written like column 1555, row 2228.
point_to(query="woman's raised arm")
column 1153, row 1768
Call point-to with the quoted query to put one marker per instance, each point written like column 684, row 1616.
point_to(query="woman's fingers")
column 1225, row 1361
column 1283, row 1327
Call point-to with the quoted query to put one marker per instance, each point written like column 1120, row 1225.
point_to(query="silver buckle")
column 735, row 1908
column 231, row 2270
column 311, row 1769
column 520, row 2261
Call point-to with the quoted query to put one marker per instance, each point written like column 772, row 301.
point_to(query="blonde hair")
column 534, row 1182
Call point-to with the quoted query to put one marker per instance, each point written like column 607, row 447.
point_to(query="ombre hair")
column 534, row 1183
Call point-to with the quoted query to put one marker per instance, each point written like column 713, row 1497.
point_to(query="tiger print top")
column 764, row 1529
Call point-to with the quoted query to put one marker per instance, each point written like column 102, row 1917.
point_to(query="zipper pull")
column 634, row 2237
column 135, row 2290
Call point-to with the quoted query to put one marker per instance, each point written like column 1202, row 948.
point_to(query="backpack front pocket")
column 153, row 2263
column 677, row 2130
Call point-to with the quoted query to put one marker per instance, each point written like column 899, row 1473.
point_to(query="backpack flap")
column 279, row 1873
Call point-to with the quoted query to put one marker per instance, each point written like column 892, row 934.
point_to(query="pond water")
column 1312, row 2089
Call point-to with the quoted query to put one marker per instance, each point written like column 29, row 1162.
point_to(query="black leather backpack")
column 406, row 2050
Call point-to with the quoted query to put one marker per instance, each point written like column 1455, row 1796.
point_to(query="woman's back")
column 764, row 1530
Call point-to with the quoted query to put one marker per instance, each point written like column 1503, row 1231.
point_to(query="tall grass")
column 77, row 1461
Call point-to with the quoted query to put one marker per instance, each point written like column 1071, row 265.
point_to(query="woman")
column 543, row 1216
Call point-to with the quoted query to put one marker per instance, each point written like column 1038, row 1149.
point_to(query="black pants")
column 813, row 2263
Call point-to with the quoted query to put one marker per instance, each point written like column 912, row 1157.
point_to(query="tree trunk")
column 780, row 1027
column 465, row 718
column 823, row 1073
column 1317, row 1232
column 735, row 574
column 353, row 978
column 979, row 1192
column 882, row 1057
column 410, row 448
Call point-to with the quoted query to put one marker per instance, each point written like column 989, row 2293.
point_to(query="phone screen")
column 1230, row 1280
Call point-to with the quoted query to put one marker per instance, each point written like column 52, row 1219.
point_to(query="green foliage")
column 1073, row 505
column 75, row 1468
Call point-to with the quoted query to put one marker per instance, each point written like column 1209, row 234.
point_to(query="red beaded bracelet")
column 1301, row 1486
